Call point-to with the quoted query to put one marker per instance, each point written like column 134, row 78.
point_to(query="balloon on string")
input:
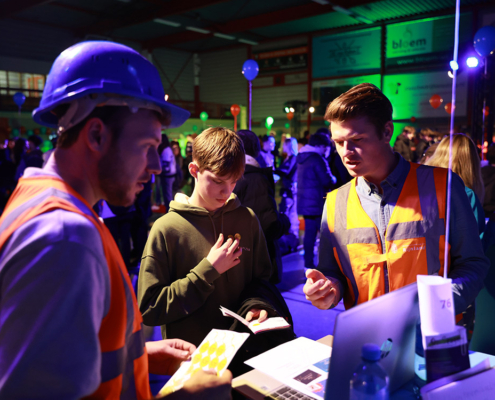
column 269, row 122
column 413, row 119
column 15, row 133
column 287, row 125
column 195, row 128
column 327, row 123
column 235, row 110
column 30, row 132
column 290, row 115
column 484, row 40
column 19, row 99
column 250, row 69
column 203, row 116
column 436, row 101
column 448, row 108
column 486, row 111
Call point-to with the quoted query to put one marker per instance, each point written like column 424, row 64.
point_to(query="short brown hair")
column 364, row 100
column 219, row 150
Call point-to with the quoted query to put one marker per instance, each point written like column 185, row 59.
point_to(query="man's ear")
column 193, row 169
column 96, row 134
column 388, row 131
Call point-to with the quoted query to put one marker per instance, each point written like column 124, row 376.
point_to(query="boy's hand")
column 256, row 313
column 224, row 256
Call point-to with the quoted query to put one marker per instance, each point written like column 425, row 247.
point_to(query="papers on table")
column 215, row 352
column 301, row 364
column 255, row 326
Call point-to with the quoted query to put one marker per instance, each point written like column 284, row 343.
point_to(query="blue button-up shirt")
column 379, row 206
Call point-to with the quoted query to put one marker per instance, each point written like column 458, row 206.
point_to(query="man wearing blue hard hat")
column 69, row 322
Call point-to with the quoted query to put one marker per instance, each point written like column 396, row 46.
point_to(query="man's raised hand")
column 320, row 290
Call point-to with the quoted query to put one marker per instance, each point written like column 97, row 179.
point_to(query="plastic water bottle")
column 369, row 381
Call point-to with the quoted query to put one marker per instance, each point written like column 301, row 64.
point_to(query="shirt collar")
column 393, row 180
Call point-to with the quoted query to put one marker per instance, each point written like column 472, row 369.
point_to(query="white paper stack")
column 436, row 305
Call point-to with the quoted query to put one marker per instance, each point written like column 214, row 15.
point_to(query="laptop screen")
column 388, row 321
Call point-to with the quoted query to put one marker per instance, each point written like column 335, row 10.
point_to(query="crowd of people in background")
column 298, row 174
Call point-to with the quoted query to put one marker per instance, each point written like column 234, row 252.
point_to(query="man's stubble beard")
column 112, row 182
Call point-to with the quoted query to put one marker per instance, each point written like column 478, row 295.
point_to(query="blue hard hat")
column 103, row 67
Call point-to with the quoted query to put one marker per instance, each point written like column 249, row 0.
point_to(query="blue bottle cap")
column 371, row 352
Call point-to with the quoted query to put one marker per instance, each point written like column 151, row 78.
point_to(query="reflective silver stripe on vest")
column 113, row 362
column 38, row 199
column 431, row 227
column 128, row 381
column 347, row 236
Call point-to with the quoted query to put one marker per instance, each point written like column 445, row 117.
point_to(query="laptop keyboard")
column 287, row 393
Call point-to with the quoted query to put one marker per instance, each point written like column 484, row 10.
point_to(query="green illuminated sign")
column 347, row 53
column 425, row 41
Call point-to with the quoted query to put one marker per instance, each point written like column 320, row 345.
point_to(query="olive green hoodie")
column 178, row 287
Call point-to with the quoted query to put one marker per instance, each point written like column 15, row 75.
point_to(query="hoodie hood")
column 181, row 204
column 307, row 152
column 308, row 149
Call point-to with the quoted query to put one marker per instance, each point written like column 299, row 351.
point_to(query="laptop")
column 389, row 321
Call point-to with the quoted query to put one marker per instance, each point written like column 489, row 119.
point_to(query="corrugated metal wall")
column 176, row 67
column 270, row 101
column 221, row 79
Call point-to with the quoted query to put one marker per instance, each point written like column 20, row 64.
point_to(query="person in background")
column 188, row 179
column 466, row 164
column 266, row 157
column 179, row 163
column 169, row 170
column 404, row 144
column 314, row 180
column 33, row 156
column 428, row 153
column 70, row 325
column 426, row 139
column 387, row 225
column 288, row 192
column 334, row 162
column 7, row 177
column 256, row 190
column 488, row 175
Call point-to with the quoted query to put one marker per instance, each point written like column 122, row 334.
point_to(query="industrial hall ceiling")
column 197, row 25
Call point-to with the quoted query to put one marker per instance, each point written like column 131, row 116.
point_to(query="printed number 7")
column 446, row 303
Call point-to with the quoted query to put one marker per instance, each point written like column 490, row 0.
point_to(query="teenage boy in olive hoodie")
column 204, row 252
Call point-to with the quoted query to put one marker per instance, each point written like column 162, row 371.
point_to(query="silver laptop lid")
column 388, row 321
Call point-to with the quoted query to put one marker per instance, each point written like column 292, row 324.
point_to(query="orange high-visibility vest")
column 124, row 361
column 414, row 238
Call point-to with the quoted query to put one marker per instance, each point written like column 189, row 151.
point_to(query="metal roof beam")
column 254, row 22
column 170, row 8
column 12, row 7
